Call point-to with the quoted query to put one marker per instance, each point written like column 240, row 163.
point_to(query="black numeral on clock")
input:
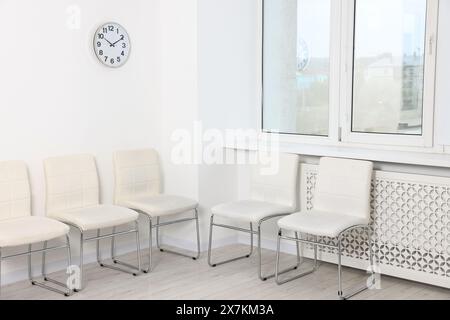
column 111, row 46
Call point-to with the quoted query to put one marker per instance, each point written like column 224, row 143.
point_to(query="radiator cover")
column 410, row 220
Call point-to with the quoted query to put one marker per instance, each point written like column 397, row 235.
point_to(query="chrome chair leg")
column 150, row 245
column 69, row 253
column 210, row 240
column 299, row 257
column 113, row 246
column 315, row 253
column 157, row 233
column 158, row 245
column 266, row 277
column 44, row 260
column 30, row 275
column 261, row 276
column 81, row 279
column 68, row 292
column 215, row 264
column 113, row 249
column 97, row 249
column 302, row 274
column 138, row 245
column 138, row 253
column 116, row 261
column 251, row 240
column 340, row 294
column 260, row 255
column 367, row 285
column 277, row 259
column 197, row 227
column 338, row 247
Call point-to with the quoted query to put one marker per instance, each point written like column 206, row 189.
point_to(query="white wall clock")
column 112, row 44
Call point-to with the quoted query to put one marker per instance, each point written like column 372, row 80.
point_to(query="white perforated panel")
column 410, row 218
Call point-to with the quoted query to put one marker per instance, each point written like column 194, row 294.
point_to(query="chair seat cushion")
column 320, row 223
column 161, row 205
column 249, row 210
column 29, row 230
column 97, row 217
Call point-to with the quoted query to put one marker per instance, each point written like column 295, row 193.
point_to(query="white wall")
column 57, row 99
column 190, row 77
column 180, row 110
column 179, row 75
column 226, row 81
column 228, row 65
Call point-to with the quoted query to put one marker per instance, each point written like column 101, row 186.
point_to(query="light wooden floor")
column 175, row 277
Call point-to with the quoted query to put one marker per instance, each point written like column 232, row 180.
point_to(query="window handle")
column 431, row 45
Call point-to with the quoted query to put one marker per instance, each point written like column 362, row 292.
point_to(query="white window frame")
column 334, row 90
column 424, row 140
column 341, row 90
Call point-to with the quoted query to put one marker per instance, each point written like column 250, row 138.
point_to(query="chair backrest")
column 15, row 194
column 343, row 187
column 137, row 174
column 279, row 187
column 71, row 183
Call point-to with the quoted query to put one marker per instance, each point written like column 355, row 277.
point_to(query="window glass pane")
column 296, row 66
column 389, row 66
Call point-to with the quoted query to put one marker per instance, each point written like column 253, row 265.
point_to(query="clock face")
column 303, row 55
column 112, row 44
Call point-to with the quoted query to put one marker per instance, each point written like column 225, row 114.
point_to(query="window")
column 350, row 71
column 388, row 67
column 297, row 66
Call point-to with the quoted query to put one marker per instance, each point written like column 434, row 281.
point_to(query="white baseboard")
column 192, row 246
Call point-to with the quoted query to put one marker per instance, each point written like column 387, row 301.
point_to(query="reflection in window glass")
column 296, row 66
column 389, row 66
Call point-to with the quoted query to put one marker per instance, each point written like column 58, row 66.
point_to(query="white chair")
column 341, row 204
column 138, row 186
column 73, row 197
column 272, row 196
column 18, row 227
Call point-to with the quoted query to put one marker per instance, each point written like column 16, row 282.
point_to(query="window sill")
column 431, row 157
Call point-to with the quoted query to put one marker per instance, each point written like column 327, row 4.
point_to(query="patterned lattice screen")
column 410, row 222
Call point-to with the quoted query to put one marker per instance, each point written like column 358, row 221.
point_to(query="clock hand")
column 121, row 38
column 110, row 44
